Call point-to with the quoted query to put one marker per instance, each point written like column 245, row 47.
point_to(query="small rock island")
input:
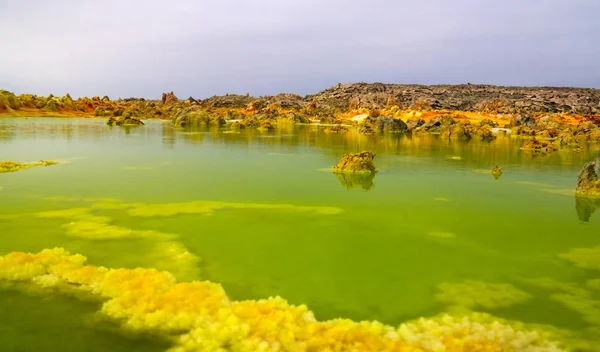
column 358, row 163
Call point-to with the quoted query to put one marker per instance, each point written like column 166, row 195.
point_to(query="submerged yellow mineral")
column 198, row 315
column 12, row 166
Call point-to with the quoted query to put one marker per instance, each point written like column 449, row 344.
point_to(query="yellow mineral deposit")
column 199, row 316
column 586, row 258
column 12, row 166
column 209, row 207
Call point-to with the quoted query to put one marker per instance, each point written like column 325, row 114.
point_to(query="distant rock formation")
column 356, row 163
column 588, row 182
column 465, row 97
column 169, row 98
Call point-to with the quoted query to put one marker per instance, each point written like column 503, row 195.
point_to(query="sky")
column 131, row 48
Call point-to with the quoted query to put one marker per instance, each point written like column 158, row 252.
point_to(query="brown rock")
column 588, row 182
column 356, row 163
column 169, row 98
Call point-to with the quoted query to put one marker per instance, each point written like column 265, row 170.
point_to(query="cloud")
column 201, row 48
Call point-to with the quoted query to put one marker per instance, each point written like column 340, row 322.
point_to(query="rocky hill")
column 464, row 97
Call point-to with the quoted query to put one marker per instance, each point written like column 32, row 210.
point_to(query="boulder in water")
column 356, row 163
column 497, row 172
column 588, row 181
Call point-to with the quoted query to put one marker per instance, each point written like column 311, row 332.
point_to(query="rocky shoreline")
column 566, row 117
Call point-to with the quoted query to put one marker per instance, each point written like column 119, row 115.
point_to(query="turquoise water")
column 431, row 216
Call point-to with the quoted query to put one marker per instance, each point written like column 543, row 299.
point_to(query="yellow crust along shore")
column 199, row 316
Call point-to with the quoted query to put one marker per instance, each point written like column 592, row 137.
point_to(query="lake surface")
column 385, row 248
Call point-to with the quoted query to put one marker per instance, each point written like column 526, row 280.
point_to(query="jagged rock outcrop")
column 588, row 181
column 124, row 121
column 356, row 163
column 169, row 98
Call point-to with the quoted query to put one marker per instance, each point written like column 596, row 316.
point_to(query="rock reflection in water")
column 586, row 207
column 351, row 181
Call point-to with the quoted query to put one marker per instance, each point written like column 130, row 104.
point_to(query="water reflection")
column 6, row 132
column 503, row 150
column 586, row 207
column 351, row 181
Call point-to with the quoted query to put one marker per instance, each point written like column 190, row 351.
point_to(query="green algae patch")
column 585, row 258
column 12, row 166
column 442, row 234
column 199, row 316
column 61, row 199
column 468, row 295
column 71, row 213
column 563, row 191
column 209, row 207
column 99, row 227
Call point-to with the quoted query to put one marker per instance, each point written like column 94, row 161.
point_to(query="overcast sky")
column 202, row 48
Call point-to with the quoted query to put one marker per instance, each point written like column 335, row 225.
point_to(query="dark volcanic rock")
column 465, row 97
column 228, row 101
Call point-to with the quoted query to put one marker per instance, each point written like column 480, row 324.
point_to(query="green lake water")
column 431, row 215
